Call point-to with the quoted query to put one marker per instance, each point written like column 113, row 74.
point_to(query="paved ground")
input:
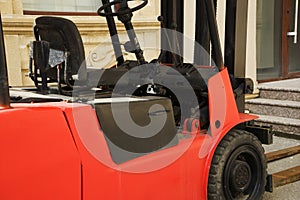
column 291, row 191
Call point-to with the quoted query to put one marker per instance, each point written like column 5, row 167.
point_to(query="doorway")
column 278, row 39
column 290, row 39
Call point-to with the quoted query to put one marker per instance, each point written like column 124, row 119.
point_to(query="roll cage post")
column 4, row 89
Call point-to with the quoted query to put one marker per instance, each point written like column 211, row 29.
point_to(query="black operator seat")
column 61, row 40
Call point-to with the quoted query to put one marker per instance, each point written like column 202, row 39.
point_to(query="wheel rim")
column 242, row 175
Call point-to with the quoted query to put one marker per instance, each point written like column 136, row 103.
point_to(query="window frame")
column 30, row 12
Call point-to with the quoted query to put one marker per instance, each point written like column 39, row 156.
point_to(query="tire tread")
column 215, row 183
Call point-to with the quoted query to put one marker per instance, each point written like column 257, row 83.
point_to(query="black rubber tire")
column 239, row 150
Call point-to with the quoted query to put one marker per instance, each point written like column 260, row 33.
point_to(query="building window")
column 269, row 21
column 60, row 6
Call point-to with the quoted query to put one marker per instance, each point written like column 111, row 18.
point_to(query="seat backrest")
column 62, row 34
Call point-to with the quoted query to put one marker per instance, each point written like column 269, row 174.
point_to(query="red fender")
column 224, row 116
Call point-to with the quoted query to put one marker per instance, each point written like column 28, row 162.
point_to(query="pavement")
column 290, row 191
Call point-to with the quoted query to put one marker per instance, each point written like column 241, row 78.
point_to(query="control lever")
column 126, row 20
column 163, row 52
column 113, row 34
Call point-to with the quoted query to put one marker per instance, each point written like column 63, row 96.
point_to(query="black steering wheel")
column 120, row 12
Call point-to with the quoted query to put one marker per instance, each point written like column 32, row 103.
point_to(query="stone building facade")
column 18, row 32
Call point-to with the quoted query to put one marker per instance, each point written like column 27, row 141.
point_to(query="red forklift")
column 160, row 129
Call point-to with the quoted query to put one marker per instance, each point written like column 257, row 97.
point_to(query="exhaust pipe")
column 4, row 89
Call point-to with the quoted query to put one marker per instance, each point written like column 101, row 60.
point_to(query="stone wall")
column 18, row 32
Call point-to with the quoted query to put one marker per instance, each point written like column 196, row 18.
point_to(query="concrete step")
column 281, row 125
column 281, row 90
column 280, row 94
column 279, row 108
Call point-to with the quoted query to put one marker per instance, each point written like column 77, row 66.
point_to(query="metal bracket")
column 269, row 185
column 263, row 133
